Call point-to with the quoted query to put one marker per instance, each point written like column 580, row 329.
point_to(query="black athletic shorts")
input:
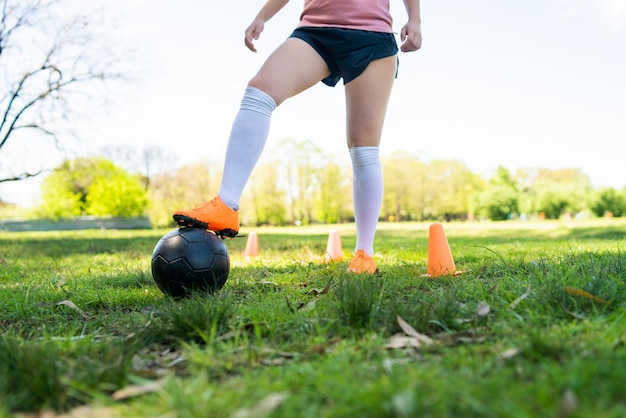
column 347, row 52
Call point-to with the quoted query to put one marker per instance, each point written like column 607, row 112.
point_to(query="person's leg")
column 366, row 104
column 290, row 69
column 367, row 97
column 246, row 143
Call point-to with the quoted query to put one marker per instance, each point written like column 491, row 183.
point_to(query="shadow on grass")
column 62, row 246
column 603, row 233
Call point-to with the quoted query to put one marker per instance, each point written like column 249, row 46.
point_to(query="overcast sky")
column 539, row 83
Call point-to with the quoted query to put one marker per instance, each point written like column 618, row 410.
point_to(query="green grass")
column 534, row 327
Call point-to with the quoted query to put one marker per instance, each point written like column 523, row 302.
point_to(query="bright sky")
column 539, row 83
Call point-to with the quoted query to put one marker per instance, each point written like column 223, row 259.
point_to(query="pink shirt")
column 372, row 15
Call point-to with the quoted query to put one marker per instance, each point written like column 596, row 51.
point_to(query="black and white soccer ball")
column 188, row 260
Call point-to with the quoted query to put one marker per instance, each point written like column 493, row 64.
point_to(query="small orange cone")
column 440, row 262
column 334, row 252
column 252, row 245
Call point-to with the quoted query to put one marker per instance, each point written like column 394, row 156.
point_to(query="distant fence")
column 85, row 222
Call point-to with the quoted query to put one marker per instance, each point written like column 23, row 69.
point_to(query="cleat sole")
column 187, row 222
column 226, row 233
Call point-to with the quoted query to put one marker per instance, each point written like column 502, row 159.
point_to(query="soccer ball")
column 190, row 260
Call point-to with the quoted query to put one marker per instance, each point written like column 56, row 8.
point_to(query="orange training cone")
column 334, row 252
column 440, row 262
column 252, row 245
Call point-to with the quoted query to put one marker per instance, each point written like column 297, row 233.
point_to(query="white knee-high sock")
column 367, row 192
column 246, row 143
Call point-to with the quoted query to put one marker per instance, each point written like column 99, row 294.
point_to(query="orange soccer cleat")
column 214, row 215
column 362, row 263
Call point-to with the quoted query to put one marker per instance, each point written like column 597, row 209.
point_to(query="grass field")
column 534, row 327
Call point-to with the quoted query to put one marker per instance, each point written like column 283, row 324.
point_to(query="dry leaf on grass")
column 321, row 348
column 316, row 292
column 508, row 353
column 264, row 407
column 248, row 327
column 71, row 305
column 569, row 404
column 523, row 296
column 469, row 336
column 410, row 339
column 84, row 411
column 280, row 358
column 389, row 363
column 400, row 341
column 573, row 314
column 585, row 294
column 133, row 391
column 483, row 309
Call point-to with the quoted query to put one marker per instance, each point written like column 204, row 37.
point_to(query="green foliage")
column 559, row 191
column 406, row 190
column 418, row 191
column 452, row 185
column 609, row 200
column 498, row 203
column 185, row 188
column 59, row 199
column 91, row 186
column 266, row 198
column 119, row 194
column 299, row 185
column 298, row 173
column 332, row 203
column 503, row 177
column 554, row 202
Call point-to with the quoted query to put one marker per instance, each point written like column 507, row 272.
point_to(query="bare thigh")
column 367, row 97
column 292, row 68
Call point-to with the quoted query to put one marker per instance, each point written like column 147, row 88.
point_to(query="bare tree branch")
column 8, row 27
column 22, row 176
column 51, row 89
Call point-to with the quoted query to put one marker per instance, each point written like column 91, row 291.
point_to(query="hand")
column 253, row 32
column 411, row 37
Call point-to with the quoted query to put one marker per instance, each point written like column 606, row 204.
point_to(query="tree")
column 188, row 186
column 147, row 160
column 558, row 191
column 452, row 186
column 301, row 164
column 333, row 198
column 500, row 201
column 609, row 200
column 59, row 200
column 553, row 202
column 267, row 200
column 503, row 177
column 119, row 194
column 49, row 63
column 405, row 185
column 91, row 186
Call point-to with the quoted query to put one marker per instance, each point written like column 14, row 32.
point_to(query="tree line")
column 299, row 184
column 53, row 68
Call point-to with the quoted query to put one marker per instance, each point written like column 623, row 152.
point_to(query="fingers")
column 411, row 37
column 252, row 34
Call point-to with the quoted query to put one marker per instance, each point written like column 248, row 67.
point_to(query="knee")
column 257, row 100
column 259, row 83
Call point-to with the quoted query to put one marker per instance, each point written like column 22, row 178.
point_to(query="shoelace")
column 203, row 205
